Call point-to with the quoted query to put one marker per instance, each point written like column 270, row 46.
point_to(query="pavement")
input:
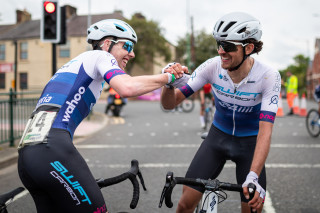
column 92, row 124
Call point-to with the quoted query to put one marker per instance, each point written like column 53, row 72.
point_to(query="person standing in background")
column 292, row 90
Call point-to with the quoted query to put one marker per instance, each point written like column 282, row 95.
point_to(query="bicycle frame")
column 208, row 203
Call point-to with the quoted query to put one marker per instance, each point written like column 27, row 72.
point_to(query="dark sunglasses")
column 229, row 46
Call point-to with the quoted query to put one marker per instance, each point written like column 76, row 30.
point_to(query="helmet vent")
column 229, row 25
column 119, row 28
column 96, row 27
column 242, row 30
column 221, row 23
column 133, row 36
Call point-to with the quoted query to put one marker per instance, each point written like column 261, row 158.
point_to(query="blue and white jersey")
column 239, row 108
column 77, row 86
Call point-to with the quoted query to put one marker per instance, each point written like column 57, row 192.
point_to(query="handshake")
column 175, row 69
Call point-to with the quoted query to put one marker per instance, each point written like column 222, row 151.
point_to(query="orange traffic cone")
column 296, row 109
column 280, row 108
column 303, row 108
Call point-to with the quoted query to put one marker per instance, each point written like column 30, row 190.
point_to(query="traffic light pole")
column 54, row 59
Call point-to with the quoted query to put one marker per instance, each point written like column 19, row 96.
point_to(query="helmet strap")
column 244, row 58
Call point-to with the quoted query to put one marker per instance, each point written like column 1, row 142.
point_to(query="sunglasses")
column 229, row 46
column 128, row 45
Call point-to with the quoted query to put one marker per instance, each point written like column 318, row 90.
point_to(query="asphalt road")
column 167, row 142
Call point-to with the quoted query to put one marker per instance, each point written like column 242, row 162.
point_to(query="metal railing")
column 15, row 110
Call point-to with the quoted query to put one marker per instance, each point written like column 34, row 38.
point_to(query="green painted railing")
column 15, row 110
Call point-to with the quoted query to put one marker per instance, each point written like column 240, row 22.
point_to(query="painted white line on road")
column 144, row 146
column 268, row 207
column 186, row 165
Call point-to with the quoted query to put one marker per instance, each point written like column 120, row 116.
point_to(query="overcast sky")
column 290, row 27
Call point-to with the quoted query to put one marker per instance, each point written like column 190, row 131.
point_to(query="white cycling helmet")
column 237, row 26
column 111, row 27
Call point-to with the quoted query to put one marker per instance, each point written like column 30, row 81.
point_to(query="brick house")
column 313, row 73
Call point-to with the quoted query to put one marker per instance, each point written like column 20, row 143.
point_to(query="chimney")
column 70, row 11
column 22, row 16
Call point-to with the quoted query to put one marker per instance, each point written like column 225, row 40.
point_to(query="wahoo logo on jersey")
column 73, row 103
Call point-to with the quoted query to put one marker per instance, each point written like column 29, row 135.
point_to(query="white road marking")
column 268, row 207
column 186, row 165
column 145, row 146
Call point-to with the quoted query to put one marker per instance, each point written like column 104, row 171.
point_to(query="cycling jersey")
column 239, row 108
column 207, row 88
column 77, row 86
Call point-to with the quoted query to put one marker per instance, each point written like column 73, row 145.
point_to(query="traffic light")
column 63, row 26
column 50, row 22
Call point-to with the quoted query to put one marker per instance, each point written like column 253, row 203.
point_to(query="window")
column 64, row 50
column 2, row 52
column 2, row 80
column 23, row 50
column 23, row 80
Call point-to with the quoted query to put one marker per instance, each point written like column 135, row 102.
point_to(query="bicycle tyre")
column 187, row 105
column 312, row 123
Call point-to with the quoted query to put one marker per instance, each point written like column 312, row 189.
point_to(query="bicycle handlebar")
column 210, row 185
column 131, row 175
column 4, row 198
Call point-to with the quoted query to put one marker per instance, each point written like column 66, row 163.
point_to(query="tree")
column 151, row 42
column 299, row 68
column 205, row 47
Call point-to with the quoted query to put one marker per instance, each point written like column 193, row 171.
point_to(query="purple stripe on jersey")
column 186, row 90
column 112, row 73
column 267, row 116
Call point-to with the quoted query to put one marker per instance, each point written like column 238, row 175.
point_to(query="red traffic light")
column 49, row 7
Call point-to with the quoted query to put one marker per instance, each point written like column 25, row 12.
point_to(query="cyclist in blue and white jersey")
column 49, row 165
column 246, row 93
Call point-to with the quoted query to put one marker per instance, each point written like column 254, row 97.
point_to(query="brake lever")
column 141, row 180
column 167, row 190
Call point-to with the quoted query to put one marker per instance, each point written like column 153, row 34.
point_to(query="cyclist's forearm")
column 168, row 98
column 262, row 147
column 128, row 86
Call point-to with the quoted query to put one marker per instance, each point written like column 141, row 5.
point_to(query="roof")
column 76, row 26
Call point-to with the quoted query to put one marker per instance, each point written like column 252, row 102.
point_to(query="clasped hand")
column 180, row 73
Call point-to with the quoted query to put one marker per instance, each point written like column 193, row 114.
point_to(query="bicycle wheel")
column 187, row 105
column 313, row 123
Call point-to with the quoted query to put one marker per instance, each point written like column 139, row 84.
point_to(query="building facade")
column 313, row 73
column 28, row 60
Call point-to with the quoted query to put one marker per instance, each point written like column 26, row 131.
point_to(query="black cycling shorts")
column 58, row 178
column 216, row 149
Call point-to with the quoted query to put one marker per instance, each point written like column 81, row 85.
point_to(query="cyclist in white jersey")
column 246, row 94
column 49, row 165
